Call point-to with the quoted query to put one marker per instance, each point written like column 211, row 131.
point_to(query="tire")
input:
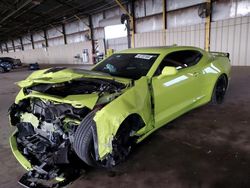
column 219, row 90
column 123, row 143
column 83, row 142
column 2, row 70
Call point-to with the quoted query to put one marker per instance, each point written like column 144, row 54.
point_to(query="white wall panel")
column 77, row 37
column 17, row 44
column 10, row 46
column 54, row 32
column 38, row 36
column 113, row 12
column 149, row 24
column 188, row 35
column 184, row 17
column 140, row 8
column 56, row 41
column 230, row 9
column 154, row 38
column 96, row 19
column 232, row 36
column 76, row 26
column 117, row 44
column 98, row 33
column 26, row 39
column 27, row 46
column 153, row 7
column 176, row 4
column 39, row 44
column 115, row 20
column 63, row 54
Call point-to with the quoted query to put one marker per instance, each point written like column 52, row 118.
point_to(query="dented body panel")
column 136, row 100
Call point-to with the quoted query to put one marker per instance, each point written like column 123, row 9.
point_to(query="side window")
column 180, row 59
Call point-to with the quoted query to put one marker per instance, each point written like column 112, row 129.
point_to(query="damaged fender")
column 136, row 100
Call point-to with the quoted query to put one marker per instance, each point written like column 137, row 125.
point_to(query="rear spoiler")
column 224, row 54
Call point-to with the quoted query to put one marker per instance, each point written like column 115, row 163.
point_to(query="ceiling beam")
column 14, row 12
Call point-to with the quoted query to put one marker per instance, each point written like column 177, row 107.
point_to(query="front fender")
column 137, row 100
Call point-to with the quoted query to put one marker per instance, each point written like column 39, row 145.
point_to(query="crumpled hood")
column 60, row 74
column 57, row 76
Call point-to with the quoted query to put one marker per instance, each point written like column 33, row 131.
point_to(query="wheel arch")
column 215, row 82
column 135, row 119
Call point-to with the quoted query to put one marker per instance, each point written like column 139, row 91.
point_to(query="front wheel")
column 219, row 90
column 84, row 142
column 121, row 145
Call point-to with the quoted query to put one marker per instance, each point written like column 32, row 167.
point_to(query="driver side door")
column 173, row 95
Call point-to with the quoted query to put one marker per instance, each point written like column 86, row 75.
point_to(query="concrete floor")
column 208, row 147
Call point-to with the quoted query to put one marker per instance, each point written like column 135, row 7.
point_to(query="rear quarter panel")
column 212, row 70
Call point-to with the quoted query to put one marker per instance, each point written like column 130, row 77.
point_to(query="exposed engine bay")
column 45, row 128
column 79, row 86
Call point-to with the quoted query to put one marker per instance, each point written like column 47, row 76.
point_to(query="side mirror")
column 167, row 71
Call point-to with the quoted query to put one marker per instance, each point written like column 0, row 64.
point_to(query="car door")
column 175, row 94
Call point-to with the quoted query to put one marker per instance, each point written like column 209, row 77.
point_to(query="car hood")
column 61, row 74
column 44, row 84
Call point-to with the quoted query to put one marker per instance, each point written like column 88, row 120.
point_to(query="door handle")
column 196, row 74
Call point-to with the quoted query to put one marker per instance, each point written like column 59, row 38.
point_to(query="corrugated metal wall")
column 192, row 35
column 117, row 44
column 231, row 35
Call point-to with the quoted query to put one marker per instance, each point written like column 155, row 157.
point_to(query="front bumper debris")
column 42, row 176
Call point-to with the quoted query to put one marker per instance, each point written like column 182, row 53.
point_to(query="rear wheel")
column 219, row 90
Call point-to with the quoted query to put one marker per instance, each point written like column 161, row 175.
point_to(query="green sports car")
column 61, row 114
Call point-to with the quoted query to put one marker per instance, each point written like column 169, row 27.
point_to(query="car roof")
column 159, row 49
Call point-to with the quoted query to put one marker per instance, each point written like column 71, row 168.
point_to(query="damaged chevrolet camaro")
column 98, row 115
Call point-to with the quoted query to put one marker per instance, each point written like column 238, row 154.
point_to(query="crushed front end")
column 42, row 141
column 46, row 116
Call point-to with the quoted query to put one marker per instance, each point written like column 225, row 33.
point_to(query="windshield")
column 131, row 66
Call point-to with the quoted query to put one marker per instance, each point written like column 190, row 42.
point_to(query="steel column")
column 1, row 48
column 91, row 34
column 32, row 41
column 21, row 42
column 64, row 34
column 13, row 45
column 46, row 38
column 164, row 15
column 7, row 50
column 208, row 27
column 131, row 18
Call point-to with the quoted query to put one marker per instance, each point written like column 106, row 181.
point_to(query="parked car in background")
column 12, row 61
column 18, row 62
column 34, row 66
column 5, row 66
